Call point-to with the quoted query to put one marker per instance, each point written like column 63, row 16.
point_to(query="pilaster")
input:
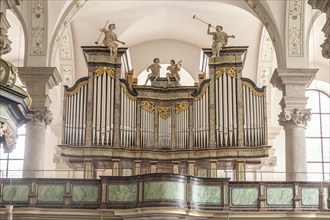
column 294, row 117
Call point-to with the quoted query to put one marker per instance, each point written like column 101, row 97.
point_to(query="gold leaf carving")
column 231, row 71
column 252, row 89
column 103, row 69
column 200, row 95
column 148, row 106
column 181, row 106
column 164, row 112
column 129, row 95
column 77, row 89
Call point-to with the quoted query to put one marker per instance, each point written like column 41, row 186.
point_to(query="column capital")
column 292, row 82
column 295, row 117
column 39, row 80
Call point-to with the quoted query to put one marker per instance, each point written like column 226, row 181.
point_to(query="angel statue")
column 110, row 40
column 155, row 70
column 174, row 72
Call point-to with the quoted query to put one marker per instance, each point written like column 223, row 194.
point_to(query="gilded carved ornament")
column 148, row 106
column 9, row 138
column 295, row 117
column 181, row 106
column 129, row 95
column 231, row 71
column 103, row 69
column 252, row 89
column 164, row 112
column 78, row 88
column 200, row 95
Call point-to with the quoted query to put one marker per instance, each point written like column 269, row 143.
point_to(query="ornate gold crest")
column 164, row 112
column 148, row 106
column 181, row 106
column 103, row 69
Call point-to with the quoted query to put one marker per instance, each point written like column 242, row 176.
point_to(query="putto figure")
column 155, row 70
column 110, row 40
column 220, row 39
column 174, row 72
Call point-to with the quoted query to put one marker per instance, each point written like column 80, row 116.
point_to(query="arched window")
column 318, row 136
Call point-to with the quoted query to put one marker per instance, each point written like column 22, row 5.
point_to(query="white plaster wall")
column 142, row 55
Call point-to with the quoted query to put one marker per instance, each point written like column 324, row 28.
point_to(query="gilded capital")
column 294, row 117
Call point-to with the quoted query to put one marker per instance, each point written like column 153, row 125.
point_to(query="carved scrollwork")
column 148, row 106
column 231, row 71
column 181, row 106
column 252, row 89
column 128, row 94
column 295, row 117
column 103, row 69
column 8, row 136
column 78, row 88
column 45, row 117
column 164, row 112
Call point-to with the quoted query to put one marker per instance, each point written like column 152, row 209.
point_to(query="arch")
column 18, row 14
column 58, row 26
column 269, row 24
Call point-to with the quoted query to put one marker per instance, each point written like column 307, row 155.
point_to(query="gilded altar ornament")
column 78, row 88
column 103, row 69
column 164, row 112
column 252, row 89
column 155, row 71
column 127, row 93
column 231, row 71
column 181, row 106
column 148, row 106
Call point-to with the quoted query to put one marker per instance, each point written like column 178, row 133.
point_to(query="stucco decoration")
column 38, row 30
column 295, row 28
column 295, row 117
column 45, row 117
column 67, row 74
column 267, row 48
column 5, row 43
column 65, row 44
column 8, row 137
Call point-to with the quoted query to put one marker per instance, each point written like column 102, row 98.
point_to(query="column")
column 294, row 117
column 213, row 168
column 9, row 212
column 115, row 167
column 137, row 167
column 38, row 80
column 89, row 169
column 240, row 174
column 191, row 167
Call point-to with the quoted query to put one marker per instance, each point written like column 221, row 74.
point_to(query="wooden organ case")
column 112, row 125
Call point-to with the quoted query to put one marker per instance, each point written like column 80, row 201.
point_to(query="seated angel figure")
column 110, row 40
column 155, row 71
column 174, row 71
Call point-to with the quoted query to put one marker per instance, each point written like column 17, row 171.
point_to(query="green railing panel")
column 279, row 196
column 244, row 196
column 164, row 191
column 50, row 193
column 84, row 193
column 122, row 193
column 206, row 194
column 309, row 196
column 16, row 193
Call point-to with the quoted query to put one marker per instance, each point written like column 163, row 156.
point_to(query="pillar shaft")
column 38, row 80
column 294, row 117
